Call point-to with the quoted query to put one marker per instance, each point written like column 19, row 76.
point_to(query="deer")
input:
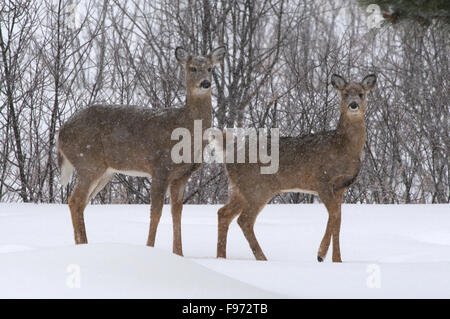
column 101, row 140
column 324, row 164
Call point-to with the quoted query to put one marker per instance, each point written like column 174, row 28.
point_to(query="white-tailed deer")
column 324, row 164
column 102, row 140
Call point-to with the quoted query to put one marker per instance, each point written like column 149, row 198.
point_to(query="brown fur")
column 326, row 163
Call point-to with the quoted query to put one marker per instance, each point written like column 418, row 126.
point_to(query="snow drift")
column 113, row 271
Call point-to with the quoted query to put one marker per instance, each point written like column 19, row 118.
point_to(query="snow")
column 113, row 271
column 389, row 251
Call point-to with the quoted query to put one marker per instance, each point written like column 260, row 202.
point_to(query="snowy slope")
column 113, row 271
column 403, row 249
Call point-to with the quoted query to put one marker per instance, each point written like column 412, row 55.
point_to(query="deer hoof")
column 319, row 259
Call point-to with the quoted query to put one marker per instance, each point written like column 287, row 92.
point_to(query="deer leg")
column 77, row 203
column 157, row 195
column 176, row 201
column 333, row 205
column 337, row 226
column 100, row 185
column 247, row 221
column 225, row 216
column 325, row 243
column 336, row 230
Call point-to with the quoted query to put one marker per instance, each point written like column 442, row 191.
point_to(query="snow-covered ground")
column 389, row 251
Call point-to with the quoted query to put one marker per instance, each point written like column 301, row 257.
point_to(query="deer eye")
column 360, row 95
column 346, row 95
column 193, row 69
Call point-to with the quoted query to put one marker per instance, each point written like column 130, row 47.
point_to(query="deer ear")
column 338, row 82
column 181, row 54
column 369, row 81
column 218, row 54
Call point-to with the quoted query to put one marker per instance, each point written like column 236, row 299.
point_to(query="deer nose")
column 205, row 84
column 353, row 106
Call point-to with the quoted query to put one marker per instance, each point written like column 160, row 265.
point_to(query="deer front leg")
column 325, row 243
column 225, row 216
column 336, row 231
column 332, row 202
column 157, row 195
column 176, row 201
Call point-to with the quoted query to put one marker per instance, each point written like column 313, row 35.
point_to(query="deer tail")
column 65, row 167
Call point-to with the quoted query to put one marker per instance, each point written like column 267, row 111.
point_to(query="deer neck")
column 353, row 134
column 200, row 107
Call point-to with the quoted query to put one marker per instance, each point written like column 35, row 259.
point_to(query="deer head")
column 353, row 95
column 199, row 69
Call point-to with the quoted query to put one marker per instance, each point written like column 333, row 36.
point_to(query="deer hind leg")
column 100, row 185
column 247, row 222
column 77, row 203
column 333, row 204
column 176, row 202
column 157, row 195
column 225, row 215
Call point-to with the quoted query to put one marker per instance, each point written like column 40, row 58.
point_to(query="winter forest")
column 58, row 56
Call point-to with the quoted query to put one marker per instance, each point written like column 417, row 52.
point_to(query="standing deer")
column 102, row 140
column 324, row 164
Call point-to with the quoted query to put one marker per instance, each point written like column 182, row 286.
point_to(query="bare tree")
column 280, row 53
